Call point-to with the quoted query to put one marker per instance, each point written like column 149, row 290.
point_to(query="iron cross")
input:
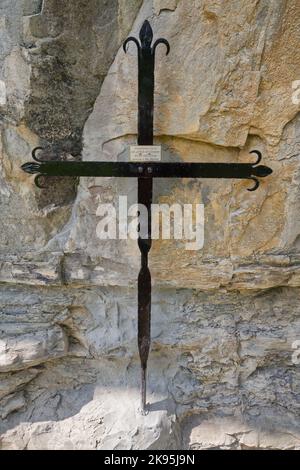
column 145, row 172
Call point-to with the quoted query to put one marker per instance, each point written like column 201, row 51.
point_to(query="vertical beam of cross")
column 146, row 63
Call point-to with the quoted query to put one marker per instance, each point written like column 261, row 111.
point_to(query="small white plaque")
column 145, row 153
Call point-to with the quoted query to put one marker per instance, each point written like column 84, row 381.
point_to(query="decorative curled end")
column 146, row 37
column 258, row 170
column 37, row 181
column 161, row 41
column 256, row 184
column 128, row 40
column 34, row 151
column 32, row 168
column 259, row 156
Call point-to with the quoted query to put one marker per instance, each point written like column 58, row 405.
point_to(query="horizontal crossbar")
column 148, row 170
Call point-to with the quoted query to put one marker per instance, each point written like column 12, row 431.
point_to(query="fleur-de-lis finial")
column 258, row 170
column 33, row 168
column 146, row 37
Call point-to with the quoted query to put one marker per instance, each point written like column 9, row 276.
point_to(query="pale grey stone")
column 12, row 404
column 27, row 350
column 32, row 7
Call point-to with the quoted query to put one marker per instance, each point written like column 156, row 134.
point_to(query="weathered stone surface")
column 216, row 103
column 14, row 381
column 233, row 433
column 96, row 427
column 225, row 319
column 32, row 268
column 12, row 403
column 19, row 352
column 226, row 356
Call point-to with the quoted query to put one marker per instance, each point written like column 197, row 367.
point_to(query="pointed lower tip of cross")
column 144, row 408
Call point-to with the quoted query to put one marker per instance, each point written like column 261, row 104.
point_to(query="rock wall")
column 225, row 318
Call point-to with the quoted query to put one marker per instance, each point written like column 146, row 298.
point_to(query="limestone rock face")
column 224, row 363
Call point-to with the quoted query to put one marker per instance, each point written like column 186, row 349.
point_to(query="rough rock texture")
column 225, row 318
